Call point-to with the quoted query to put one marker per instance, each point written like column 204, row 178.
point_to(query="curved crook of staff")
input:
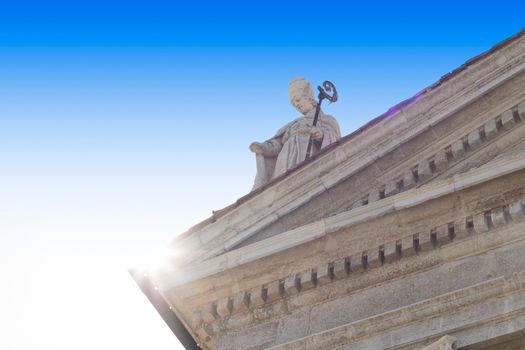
column 328, row 86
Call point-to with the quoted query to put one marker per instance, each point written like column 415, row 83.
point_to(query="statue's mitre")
column 298, row 86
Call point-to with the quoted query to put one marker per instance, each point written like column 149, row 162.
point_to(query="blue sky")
column 123, row 124
column 273, row 23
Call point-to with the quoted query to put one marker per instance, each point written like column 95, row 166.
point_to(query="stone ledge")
column 360, row 262
column 448, row 156
column 334, row 223
column 442, row 305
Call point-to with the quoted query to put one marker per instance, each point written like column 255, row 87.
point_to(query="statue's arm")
column 269, row 148
column 273, row 147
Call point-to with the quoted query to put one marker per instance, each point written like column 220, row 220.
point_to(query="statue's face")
column 302, row 98
column 303, row 103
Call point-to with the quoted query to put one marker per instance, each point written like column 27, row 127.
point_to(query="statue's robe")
column 289, row 145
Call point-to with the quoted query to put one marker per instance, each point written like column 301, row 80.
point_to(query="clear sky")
column 123, row 124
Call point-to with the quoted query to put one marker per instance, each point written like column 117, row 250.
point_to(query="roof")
column 216, row 214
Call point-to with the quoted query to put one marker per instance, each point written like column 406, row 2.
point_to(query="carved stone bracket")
column 357, row 263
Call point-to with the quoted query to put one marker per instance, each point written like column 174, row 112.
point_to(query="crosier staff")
column 328, row 86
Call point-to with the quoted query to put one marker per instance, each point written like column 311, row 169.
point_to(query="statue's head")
column 301, row 95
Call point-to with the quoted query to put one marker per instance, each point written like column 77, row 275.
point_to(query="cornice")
column 315, row 230
column 353, row 156
column 442, row 305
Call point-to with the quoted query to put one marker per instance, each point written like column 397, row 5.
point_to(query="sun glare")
column 155, row 260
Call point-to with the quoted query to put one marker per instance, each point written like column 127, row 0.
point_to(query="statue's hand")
column 317, row 133
column 257, row 148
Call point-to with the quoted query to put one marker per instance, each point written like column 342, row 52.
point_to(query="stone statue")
column 289, row 145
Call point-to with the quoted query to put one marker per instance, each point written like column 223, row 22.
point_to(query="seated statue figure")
column 289, row 145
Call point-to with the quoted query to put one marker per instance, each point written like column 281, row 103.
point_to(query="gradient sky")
column 123, row 124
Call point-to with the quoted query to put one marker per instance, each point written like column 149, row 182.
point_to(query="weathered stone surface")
column 224, row 307
column 459, row 274
column 356, row 263
column 307, row 280
column 507, row 120
column 440, row 160
column 498, row 217
column 357, row 204
column 261, row 336
column 474, row 139
column 373, row 258
column 275, row 290
column 268, row 310
column 258, row 296
column 240, row 301
column 202, row 334
column 391, row 188
column 480, row 223
column 454, row 268
column 491, row 129
column 424, row 172
column 407, row 247
column 324, row 274
column 196, row 319
column 453, row 228
column 425, row 240
column 442, row 236
column 292, row 285
column 516, row 210
column 374, row 196
column 464, row 228
column 408, row 180
column 458, row 149
column 521, row 111
column 293, row 326
column 209, row 314
column 340, row 268
column 391, row 251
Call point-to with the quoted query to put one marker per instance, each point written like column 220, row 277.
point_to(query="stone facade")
column 408, row 234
